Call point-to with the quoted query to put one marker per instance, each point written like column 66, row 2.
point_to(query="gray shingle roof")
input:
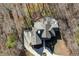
column 46, row 26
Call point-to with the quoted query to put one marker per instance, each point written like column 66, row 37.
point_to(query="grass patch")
column 11, row 40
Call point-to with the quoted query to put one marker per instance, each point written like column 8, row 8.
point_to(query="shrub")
column 77, row 36
column 11, row 40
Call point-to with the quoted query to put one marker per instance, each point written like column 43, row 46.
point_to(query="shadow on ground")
column 51, row 43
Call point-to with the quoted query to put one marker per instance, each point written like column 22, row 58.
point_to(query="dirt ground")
column 61, row 49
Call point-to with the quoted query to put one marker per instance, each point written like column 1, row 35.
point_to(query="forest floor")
column 15, row 17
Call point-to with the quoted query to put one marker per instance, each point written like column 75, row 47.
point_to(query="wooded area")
column 15, row 17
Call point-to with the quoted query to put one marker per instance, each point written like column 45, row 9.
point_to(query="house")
column 43, row 30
